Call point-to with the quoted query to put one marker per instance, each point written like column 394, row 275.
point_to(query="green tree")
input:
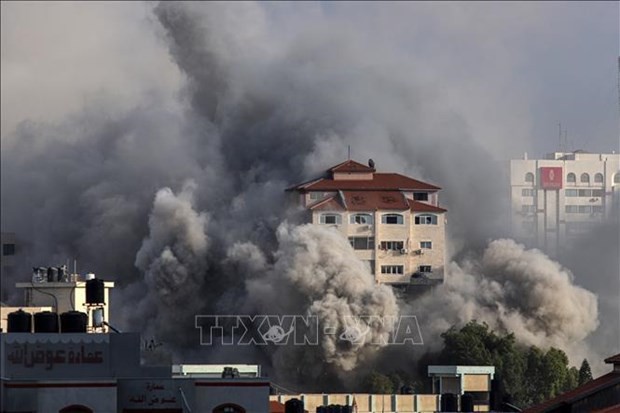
column 529, row 375
column 379, row 383
column 585, row 373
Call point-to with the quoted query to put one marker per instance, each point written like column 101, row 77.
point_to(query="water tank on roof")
column 95, row 291
column 52, row 274
column 73, row 322
column 467, row 403
column 62, row 274
column 294, row 406
column 46, row 322
column 19, row 322
column 449, row 402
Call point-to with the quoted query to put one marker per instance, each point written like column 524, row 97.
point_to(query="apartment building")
column 563, row 195
column 393, row 222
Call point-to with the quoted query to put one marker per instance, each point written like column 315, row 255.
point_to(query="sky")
column 153, row 141
column 515, row 70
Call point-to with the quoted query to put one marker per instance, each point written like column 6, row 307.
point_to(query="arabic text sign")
column 154, row 394
column 48, row 360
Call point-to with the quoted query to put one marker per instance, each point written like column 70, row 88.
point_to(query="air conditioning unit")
column 419, row 252
column 403, row 251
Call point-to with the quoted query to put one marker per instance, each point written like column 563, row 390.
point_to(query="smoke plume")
column 182, row 203
column 514, row 290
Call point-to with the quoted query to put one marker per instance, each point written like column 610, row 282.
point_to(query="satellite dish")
column 371, row 163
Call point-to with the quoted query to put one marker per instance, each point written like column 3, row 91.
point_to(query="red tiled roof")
column 371, row 201
column 351, row 166
column 422, row 207
column 611, row 409
column 381, row 181
column 613, row 359
column 329, row 204
column 591, row 387
column 276, row 407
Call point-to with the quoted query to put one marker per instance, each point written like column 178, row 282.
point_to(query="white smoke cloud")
column 515, row 290
column 266, row 104
column 317, row 272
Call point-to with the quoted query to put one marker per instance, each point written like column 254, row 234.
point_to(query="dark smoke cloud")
column 186, row 210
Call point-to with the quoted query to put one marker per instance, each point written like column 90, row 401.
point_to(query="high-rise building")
column 392, row 221
column 559, row 197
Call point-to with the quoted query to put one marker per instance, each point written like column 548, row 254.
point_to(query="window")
column 392, row 219
column 8, row 249
column 331, row 219
column 361, row 219
column 362, row 243
column 598, row 178
column 392, row 245
column 617, row 178
column 392, row 269
column 426, row 219
column 527, row 192
column 425, row 268
column 427, row 245
column 571, row 178
column 597, row 192
column 420, row 196
column 572, row 192
column 584, row 209
column 585, row 178
column 526, row 209
column 315, row 196
column 529, row 177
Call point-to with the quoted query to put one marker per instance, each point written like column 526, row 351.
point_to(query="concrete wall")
column 408, row 233
column 368, row 403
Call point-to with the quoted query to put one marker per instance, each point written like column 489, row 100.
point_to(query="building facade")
column 562, row 196
column 86, row 373
column 393, row 222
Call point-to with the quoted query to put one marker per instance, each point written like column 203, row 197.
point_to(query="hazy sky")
column 513, row 69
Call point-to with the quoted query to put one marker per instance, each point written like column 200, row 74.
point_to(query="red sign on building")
column 551, row 177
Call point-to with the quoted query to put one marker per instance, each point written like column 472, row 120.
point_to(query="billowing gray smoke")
column 516, row 290
column 316, row 272
column 186, row 211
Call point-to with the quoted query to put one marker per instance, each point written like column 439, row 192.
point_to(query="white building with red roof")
column 392, row 221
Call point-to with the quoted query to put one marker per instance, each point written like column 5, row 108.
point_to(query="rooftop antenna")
column 560, row 136
column 349, row 158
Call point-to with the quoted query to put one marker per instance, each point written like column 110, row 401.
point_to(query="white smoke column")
column 515, row 290
column 174, row 255
column 316, row 272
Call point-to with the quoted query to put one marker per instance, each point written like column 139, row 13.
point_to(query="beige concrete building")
column 557, row 198
column 367, row 403
column 66, row 296
column 393, row 222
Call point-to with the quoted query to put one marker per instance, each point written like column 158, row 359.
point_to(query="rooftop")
column 380, row 181
column 372, row 201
